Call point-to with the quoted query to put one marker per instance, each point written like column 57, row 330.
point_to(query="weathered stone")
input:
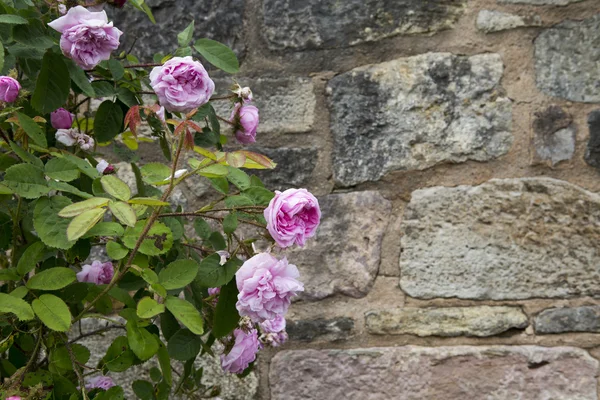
column 566, row 60
column 448, row 321
column 504, row 239
column 215, row 19
column 286, row 105
column 554, row 135
column 413, row 113
column 344, row 256
column 294, row 167
column 592, row 153
column 330, row 330
column 233, row 388
column 541, row 2
column 424, row 373
column 316, row 24
column 495, row 21
column 575, row 319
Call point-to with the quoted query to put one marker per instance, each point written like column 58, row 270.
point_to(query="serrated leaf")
column 154, row 173
column 105, row 229
column 66, row 188
column 31, row 256
column 9, row 274
column 83, row 165
column 148, row 307
column 214, row 171
column 53, row 312
column 53, row 84
column 119, row 356
column 218, row 55
column 226, row 316
column 147, row 201
column 116, row 251
column 212, row 274
column 52, row 279
column 230, row 223
column 185, row 313
column 80, row 79
column 61, row 169
column 51, row 228
column 10, row 304
column 84, row 222
column 12, row 19
column 239, row 178
column 141, row 342
column 185, row 37
column 108, row 121
column 184, row 345
column 26, row 180
column 26, row 156
column 74, row 210
column 32, row 129
column 158, row 241
column 116, row 187
column 123, row 212
column 116, row 69
column 178, row 274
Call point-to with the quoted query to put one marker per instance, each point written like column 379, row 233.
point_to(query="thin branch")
column 226, row 120
column 231, row 96
column 96, row 332
column 142, row 65
column 199, row 248
column 77, row 371
column 191, row 214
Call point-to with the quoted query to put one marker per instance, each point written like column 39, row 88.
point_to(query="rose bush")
column 178, row 295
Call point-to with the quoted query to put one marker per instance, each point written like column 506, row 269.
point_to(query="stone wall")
column 455, row 149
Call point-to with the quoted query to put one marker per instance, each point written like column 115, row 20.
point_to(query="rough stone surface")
column 447, row 321
column 494, row 21
column 330, row 330
column 575, row 319
column 344, row 256
column 566, row 60
column 294, row 167
column 541, row 2
column 291, row 24
column 214, row 19
column 422, row 373
column 504, row 239
column 286, row 105
column 554, row 135
column 233, row 388
column 413, row 113
column 592, row 153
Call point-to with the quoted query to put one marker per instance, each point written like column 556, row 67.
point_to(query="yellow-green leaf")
column 116, row 187
column 123, row 212
column 75, row 209
column 148, row 308
column 186, row 313
column 53, row 312
column 84, row 222
column 52, row 279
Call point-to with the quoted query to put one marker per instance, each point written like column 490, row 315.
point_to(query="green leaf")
column 239, row 178
column 238, row 201
column 32, row 129
column 65, row 187
column 142, row 6
column 103, row 89
column 83, row 165
column 218, row 55
column 202, row 228
column 230, row 223
column 10, row 304
column 51, row 228
column 1, row 56
column 32, row 255
column 59, row 356
column 123, row 212
column 149, row 276
column 185, row 37
column 119, row 356
column 108, row 121
column 26, row 180
column 52, row 279
column 26, row 156
column 184, row 345
column 74, row 210
column 9, row 274
column 220, row 184
column 116, row 251
column 33, row 34
column 84, row 222
column 212, row 274
column 53, row 84
column 116, row 69
column 62, row 169
column 143, row 390
column 154, row 173
column 105, row 229
column 168, row 325
column 158, row 241
column 12, row 19
column 53, row 312
column 178, row 274
column 217, row 241
column 147, row 201
column 259, row 195
column 20, row 292
column 79, row 77
column 226, row 315
column 127, row 97
column 141, row 342
column 185, row 313
column 165, row 363
column 115, row 187
column 214, row 171
column 148, row 308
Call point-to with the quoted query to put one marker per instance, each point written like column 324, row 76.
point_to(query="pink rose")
column 292, row 217
column 266, row 287
column 9, row 89
column 98, row 273
column 213, row 291
column 243, row 352
column 13, row 398
column 61, row 119
column 100, row 382
column 245, row 120
column 274, row 325
column 87, row 37
column 181, row 84
column 273, row 331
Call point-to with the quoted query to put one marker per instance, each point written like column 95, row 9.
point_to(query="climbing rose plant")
column 185, row 283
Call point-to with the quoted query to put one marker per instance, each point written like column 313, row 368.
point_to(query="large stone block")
column 294, row 167
column 421, row 373
column 413, row 113
column 569, row 319
column 316, row 24
column 554, row 135
column 566, row 60
column 344, row 256
column 215, row 19
column 446, row 321
column 541, row 2
column 331, row 330
column 592, row 152
column 504, row 239
column 495, row 21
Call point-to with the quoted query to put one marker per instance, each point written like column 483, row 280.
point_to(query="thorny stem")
column 231, row 96
column 191, row 214
column 96, row 332
column 77, row 370
column 148, row 65
column 225, row 120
